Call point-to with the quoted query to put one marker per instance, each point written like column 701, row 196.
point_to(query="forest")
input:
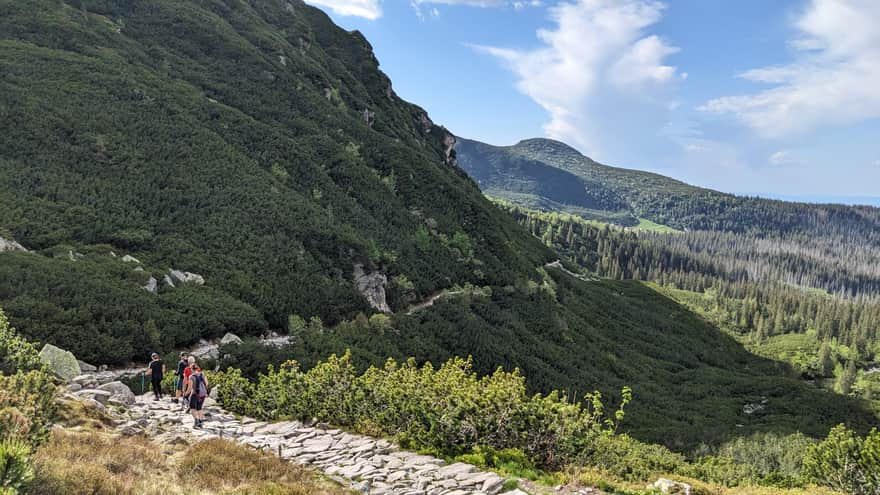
column 809, row 301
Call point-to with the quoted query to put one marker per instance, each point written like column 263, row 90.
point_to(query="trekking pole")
column 142, row 383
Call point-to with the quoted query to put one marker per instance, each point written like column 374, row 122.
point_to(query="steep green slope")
column 551, row 176
column 257, row 145
column 253, row 143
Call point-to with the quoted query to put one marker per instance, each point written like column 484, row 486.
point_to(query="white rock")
column 152, row 286
column 230, row 338
column 10, row 245
column 130, row 259
column 669, row 486
column 187, row 277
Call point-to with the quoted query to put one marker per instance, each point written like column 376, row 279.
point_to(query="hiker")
column 187, row 372
column 198, row 390
column 181, row 366
column 156, row 370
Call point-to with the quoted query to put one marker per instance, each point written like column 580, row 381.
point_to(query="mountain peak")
column 547, row 147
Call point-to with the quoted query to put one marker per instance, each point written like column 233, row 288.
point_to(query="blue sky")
column 778, row 98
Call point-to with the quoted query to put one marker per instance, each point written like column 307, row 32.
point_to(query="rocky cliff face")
column 372, row 287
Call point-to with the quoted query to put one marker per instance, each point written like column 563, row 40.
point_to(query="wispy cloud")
column 369, row 9
column 597, row 51
column 781, row 157
column 834, row 79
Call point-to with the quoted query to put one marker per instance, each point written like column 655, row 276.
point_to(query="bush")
column 845, row 462
column 449, row 410
column 16, row 354
column 15, row 469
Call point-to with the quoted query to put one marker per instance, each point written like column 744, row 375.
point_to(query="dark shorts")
column 179, row 381
column 195, row 403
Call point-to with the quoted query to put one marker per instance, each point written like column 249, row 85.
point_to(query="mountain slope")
column 254, row 144
column 252, row 153
column 551, row 176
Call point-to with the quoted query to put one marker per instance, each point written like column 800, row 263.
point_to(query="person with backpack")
column 179, row 381
column 198, row 391
column 156, row 371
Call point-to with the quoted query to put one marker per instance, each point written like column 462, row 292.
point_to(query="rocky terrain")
column 374, row 466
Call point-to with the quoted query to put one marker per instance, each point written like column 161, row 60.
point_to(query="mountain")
column 175, row 169
column 549, row 175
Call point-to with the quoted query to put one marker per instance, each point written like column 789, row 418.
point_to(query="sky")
column 772, row 98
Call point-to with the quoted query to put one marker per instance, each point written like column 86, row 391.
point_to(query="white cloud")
column 369, row 9
column 834, row 80
column 780, row 158
column 597, row 53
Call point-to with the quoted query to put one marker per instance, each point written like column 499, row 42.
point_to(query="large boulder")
column 121, row 393
column 668, row 486
column 230, row 338
column 62, row 363
column 187, row 277
column 10, row 245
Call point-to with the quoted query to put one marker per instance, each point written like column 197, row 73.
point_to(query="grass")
column 98, row 463
column 645, row 224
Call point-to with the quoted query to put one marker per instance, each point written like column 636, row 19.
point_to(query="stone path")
column 372, row 466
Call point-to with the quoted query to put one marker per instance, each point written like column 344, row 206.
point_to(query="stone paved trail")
column 373, row 466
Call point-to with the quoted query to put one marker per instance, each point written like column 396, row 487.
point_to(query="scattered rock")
column 372, row 287
column 152, row 286
column 100, row 396
column 187, row 277
column 121, row 394
column 10, row 245
column 753, row 408
column 669, row 486
column 85, row 367
column 63, row 363
column 369, row 117
column 168, row 281
column 130, row 259
column 230, row 338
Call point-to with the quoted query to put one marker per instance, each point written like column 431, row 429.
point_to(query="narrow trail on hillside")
column 372, row 466
column 430, row 301
column 559, row 266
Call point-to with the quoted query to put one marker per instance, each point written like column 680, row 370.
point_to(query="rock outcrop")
column 130, row 259
column 372, row 287
column 230, row 338
column 152, row 285
column 186, row 277
column 10, row 245
column 62, row 363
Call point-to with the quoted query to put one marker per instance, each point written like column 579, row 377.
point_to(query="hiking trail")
column 372, row 466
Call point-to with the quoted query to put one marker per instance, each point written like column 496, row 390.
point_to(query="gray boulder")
column 62, row 362
column 187, row 277
column 121, row 393
column 668, row 486
column 130, row 259
column 10, row 245
column 100, row 396
column 152, row 286
column 230, row 338
column 85, row 367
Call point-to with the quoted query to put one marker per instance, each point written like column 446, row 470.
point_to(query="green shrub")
column 15, row 468
column 15, row 352
column 845, row 462
column 449, row 410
